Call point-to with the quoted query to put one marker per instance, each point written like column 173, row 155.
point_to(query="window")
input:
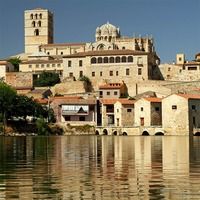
column 117, row 73
column 30, row 66
column 80, row 63
column 81, row 73
column 139, row 61
column 105, row 59
column 130, row 58
column 100, row 93
column 93, row 73
column 36, row 16
column 61, row 53
column 194, row 121
column 193, row 107
column 58, row 65
column 141, row 108
column 127, row 72
column 111, row 73
column 123, row 48
column 108, row 93
column 115, row 92
column 67, row 118
column 117, row 59
column 39, row 24
column 40, row 16
column 42, row 65
column 71, row 74
column 99, row 60
column 48, row 53
column 100, row 73
column 111, row 59
column 69, row 63
column 93, row 60
column 183, row 67
column 33, row 24
column 174, row 107
column 53, row 65
column 129, row 110
column 123, row 58
column 37, row 66
column 169, row 69
column 47, row 65
column 31, row 16
column 157, row 108
column 36, row 32
column 139, row 71
column 81, row 118
column 192, row 68
column 117, row 110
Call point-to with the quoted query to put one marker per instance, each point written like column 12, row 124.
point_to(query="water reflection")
column 99, row 167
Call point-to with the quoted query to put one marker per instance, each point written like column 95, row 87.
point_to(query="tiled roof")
column 41, row 101
column 190, row 96
column 72, row 101
column 41, row 61
column 126, row 101
column 153, row 99
column 63, row 44
column 108, row 101
column 3, row 62
column 111, row 86
column 192, row 63
column 106, row 52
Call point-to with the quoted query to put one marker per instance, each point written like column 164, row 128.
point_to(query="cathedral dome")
column 108, row 29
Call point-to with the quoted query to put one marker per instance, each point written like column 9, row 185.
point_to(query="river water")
column 99, row 167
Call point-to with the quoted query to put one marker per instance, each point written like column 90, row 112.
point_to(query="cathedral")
column 111, row 57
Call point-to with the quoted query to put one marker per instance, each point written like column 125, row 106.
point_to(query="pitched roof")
column 153, row 99
column 126, row 101
column 190, row 96
column 41, row 100
column 111, row 86
column 106, row 52
column 72, row 101
column 41, row 61
column 108, row 101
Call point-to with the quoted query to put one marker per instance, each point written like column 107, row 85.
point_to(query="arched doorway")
column 96, row 132
column 105, row 132
column 124, row 133
column 115, row 133
column 159, row 133
column 145, row 133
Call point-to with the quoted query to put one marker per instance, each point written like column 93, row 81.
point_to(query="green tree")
column 15, row 62
column 47, row 79
column 7, row 97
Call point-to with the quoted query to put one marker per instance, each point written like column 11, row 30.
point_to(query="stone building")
column 113, row 90
column 38, row 28
column 181, row 113
column 5, row 67
column 148, row 112
column 74, row 110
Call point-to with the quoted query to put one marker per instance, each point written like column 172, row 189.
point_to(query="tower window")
column 130, row 58
column 31, row 16
column 123, row 58
column 93, row 60
column 139, row 71
column 127, row 72
column 39, row 23
column 36, row 32
column 36, row 16
column 33, row 24
column 40, row 16
column 80, row 63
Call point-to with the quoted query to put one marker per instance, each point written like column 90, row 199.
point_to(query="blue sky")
column 174, row 24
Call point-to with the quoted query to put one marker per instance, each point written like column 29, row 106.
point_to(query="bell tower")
column 38, row 29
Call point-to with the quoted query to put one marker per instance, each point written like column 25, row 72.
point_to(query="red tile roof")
column 111, row 86
column 126, row 101
column 41, row 61
column 190, row 96
column 153, row 99
column 41, row 100
column 108, row 101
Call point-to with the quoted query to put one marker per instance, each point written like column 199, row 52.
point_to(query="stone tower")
column 38, row 29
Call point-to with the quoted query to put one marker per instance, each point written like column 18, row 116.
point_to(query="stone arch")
column 99, row 60
column 117, row 59
column 130, row 58
column 145, row 133
column 100, row 47
column 111, row 60
column 33, row 23
column 124, row 133
column 105, row 132
column 96, row 132
column 105, row 60
column 159, row 133
column 36, row 32
column 114, row 133
column 197, row 134
column 123, row 59
column 93, row 60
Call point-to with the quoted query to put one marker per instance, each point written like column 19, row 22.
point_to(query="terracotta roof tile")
column 41, row 61
column 190, row 96
column 111, row 86
column 108, row 101
column 63, row 44
column 153, row 99
column 41, row 100
column 126, row 101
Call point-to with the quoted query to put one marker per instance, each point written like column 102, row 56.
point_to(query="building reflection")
column 98, row 167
